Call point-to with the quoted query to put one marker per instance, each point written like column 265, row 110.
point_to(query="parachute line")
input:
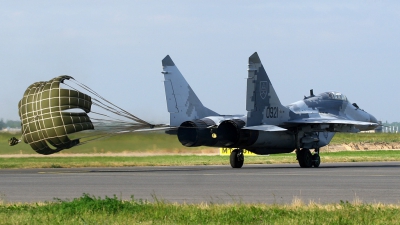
column 127, row 114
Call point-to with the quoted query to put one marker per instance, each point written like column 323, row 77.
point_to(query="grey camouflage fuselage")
column 269, row 127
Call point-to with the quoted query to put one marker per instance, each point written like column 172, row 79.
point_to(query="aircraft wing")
column 333, row 124
column 330, row 121
column 265, row 128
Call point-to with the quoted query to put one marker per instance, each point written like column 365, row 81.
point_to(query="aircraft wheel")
column 316, row 160
column 237, row 158
column 305, row 158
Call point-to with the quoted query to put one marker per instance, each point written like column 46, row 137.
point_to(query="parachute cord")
column 111, row 118
column 116, row 129
column 137, row 119
column 105, row 106
column 94, row 139
column 24, row 131
column 95, row 93
column 114, row 111
column 98, row 95
column 120, row 123
column 105, row 126
column 101, row 137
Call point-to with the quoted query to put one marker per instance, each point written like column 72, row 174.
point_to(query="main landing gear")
column 306, row 159
column 304, row 156
column 237, row 158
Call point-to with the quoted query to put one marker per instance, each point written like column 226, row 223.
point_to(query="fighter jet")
column 269, row 127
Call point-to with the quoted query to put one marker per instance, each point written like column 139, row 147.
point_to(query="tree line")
column 10, row 123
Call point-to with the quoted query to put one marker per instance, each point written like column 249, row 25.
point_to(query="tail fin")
column 182, row 102
column 262, row 102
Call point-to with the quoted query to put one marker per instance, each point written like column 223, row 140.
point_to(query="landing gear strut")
column 237, row 158
column 306, row 159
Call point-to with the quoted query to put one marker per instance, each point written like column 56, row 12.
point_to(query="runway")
column 277, row 183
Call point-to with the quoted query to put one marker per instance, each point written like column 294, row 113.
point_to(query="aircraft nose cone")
column 372, row 119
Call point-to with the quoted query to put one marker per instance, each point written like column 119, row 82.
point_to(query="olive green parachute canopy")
column 43, row 116
column 46, row 117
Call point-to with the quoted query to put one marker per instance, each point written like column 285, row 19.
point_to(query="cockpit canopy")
column 334, row 95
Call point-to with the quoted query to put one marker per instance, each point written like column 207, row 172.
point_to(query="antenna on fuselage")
column 311, row 94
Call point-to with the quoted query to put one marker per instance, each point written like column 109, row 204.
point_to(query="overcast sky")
column 116, row 48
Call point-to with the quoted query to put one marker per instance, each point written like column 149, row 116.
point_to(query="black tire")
column 305, row 158
column 316, row 160
column 236, row 158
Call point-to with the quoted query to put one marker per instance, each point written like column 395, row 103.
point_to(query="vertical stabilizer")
column 183, row 104
column 262, row 102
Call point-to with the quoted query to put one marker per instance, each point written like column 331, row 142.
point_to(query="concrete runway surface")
column 279, row 183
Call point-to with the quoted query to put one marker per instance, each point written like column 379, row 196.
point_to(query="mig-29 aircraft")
column 269, row 127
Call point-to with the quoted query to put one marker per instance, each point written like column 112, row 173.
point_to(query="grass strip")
column 112, row 210
column 187, row 160
column 347, row 138
column 160, row 142
column 129, row 142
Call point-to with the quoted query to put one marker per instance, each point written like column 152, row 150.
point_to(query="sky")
column 116, row 48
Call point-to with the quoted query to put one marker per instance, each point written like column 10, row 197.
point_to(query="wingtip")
column 167, row 61
column 254, row 58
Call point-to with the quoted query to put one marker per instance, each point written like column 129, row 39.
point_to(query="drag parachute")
column 50, row 113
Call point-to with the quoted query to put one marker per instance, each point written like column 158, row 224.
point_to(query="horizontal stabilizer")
column 265, row 128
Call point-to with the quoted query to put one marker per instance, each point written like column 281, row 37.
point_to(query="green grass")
column 346, row 138
column 130, row 142
column 186, row 160
column 160, row 142
column 93, row 210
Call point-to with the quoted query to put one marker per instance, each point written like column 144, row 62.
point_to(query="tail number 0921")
column 272, row 112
